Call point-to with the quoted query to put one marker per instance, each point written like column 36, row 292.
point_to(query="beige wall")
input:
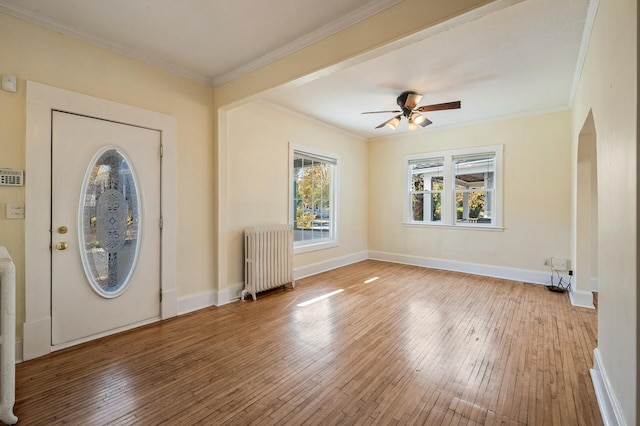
column 537, row 194
column 608, row 88
column 258, row 180
column 34, row 53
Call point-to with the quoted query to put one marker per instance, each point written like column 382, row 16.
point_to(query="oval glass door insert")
column 109, row 222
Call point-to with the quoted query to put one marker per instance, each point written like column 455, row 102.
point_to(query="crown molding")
column 333, row 27
column 325, row 31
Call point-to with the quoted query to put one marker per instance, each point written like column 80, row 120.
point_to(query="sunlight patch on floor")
column 319, row 298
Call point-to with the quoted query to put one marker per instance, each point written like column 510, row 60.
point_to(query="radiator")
column 8, row 353
column 268, row 255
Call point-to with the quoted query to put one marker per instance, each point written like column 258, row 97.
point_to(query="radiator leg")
column 244, row 294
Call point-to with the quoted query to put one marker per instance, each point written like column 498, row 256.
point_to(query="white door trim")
column 41, row 100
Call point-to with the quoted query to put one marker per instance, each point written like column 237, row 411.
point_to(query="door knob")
column 62, row 230
column 62, row 245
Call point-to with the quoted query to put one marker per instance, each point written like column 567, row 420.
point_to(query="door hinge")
column 161, row 151
column 161, row 295
column 161, row 222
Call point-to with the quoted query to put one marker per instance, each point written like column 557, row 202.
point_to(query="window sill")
column 314, row 246
column 477, row 227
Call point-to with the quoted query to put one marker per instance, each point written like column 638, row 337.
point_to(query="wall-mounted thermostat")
column 10, row 177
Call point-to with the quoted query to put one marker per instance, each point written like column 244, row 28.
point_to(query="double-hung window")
column 313, row 207
column 427, row 184
column 455, row 188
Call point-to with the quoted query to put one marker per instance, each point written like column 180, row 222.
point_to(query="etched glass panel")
column 109, row 228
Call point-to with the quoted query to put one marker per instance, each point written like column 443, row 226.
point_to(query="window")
column 313, row 210
column 427, row 184
column 455, row 188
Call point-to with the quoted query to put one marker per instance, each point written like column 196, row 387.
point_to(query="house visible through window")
column 313, row 207
column 458, row 188
column 474, row 177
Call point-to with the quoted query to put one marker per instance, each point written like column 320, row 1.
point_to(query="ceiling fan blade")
column 412, row 100
column 418, row 119
column 426, row 122
column 439, row 107
column 378, row 112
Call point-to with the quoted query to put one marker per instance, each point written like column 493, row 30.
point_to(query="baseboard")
column 36, row 340
column 229, row 294
column 234, row 292
column 607, row 402
column 328, row 265
column 515, row 274
column 197, row 301
column 581, row 298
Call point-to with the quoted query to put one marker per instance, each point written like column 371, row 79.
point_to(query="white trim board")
column 328, row 265
column 232, row 294
column 607, row 402
column 196, row 302
column 528, row 276
column 581, row 298
column 515, row 274
column 210, row 298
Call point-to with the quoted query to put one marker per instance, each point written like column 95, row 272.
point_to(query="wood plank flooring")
column 414, row 346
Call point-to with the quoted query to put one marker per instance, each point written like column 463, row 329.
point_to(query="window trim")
column 449, row 191
column 324, row 243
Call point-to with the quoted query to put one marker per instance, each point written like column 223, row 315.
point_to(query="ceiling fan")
column 408, row 101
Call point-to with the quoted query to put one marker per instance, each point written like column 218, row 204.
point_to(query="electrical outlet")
column 559, row 264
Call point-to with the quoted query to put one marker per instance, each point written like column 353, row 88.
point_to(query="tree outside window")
column 313, row 198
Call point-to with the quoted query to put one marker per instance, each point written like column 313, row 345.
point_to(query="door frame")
column 41, row 101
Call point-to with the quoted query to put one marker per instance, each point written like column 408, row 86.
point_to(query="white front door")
column 105, row 227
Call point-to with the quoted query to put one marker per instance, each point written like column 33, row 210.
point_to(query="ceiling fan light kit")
column 392, row 123
column 408, row 102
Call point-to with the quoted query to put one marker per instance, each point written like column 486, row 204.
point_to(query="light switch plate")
column 9, row 82
column 14, row 211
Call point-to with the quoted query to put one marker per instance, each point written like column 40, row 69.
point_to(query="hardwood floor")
column 414, row 346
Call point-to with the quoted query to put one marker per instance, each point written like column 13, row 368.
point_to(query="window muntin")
column 455, row 188
column 314, row 206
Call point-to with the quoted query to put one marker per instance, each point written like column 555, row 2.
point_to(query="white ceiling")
column 518, row 60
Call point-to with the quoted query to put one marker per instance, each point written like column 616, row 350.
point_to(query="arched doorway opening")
column 586, row 257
